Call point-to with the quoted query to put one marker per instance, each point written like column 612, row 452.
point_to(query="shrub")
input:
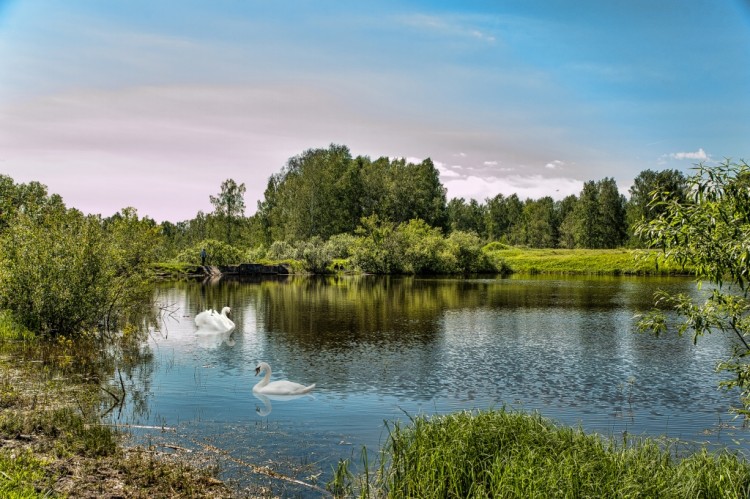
column 219, row 253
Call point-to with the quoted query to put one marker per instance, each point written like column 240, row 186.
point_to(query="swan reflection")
column 266, row 399
column 211, row 340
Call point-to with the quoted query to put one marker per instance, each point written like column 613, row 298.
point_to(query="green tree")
column 708, row 232
column 564, row 215
column 503, row 214
column 537, row 228
column 598, row 219
column 639, row 207
column 466, row 216
column 229, row 206
column 612, row 226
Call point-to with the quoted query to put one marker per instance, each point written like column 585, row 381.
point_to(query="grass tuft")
column 507, row 454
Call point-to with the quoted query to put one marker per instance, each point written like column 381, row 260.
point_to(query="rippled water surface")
column 384, row 348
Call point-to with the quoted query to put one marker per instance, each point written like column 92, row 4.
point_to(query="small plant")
column 341, row 483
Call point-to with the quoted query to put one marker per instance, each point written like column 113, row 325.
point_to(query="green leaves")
column 708, row 231
column 65, row 273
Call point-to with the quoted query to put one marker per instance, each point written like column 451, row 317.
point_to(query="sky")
column 152, row 104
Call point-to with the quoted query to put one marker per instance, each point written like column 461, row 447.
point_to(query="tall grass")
column 500, row 453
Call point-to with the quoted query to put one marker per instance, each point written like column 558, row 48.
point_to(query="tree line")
column 327, row 192
column 327, row 204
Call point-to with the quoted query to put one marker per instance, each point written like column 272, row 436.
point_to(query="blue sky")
column 153, row 104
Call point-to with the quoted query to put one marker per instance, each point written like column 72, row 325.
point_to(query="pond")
column 384, row 349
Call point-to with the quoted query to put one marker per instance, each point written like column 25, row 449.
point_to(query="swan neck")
column 266, row 379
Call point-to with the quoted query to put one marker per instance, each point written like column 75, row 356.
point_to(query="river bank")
column 53, row 441
column 505, row 260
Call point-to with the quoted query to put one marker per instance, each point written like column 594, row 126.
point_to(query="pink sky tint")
column 165, row 150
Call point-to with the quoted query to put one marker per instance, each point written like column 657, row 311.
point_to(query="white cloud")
column 700, row 154
column 490, row 163
column 531, row 186
column 555, row 164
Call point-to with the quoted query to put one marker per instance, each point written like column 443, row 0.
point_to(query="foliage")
column 64, row 273
column 229, row 206
column 670, row 183
column 282, row 250
column 324, row 192
column 507, row 454
column 315, row 255
column 466, row 254
column 340, row 246
column 219, row 253
column 376, row 249
column 710, row 232
column 415, row 247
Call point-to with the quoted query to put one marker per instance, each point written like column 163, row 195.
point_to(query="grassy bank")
column 580, row 261
column 510, row 454
column 52, row 440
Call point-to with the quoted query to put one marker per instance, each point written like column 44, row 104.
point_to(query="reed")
column 499, row 453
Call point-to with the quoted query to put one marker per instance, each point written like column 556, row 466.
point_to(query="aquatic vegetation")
column 500, row 453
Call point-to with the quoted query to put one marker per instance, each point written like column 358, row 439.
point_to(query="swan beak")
column 257, row 371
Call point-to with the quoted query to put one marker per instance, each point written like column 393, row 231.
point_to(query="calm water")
column 385, row 348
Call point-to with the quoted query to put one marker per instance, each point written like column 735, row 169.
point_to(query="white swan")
column 210, row 320
column 281, row 387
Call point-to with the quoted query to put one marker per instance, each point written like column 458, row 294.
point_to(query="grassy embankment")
column 52, row 440
column 510, row 454
column 581, row 261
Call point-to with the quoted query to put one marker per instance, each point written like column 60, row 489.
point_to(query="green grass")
column 581, row 261
column 510, row 454
column 20, row 474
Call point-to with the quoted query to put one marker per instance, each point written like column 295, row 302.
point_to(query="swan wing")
column 284, row 387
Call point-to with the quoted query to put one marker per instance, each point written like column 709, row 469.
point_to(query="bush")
column 340, row 246
column 219, row 253
column 282, row 250
column 63, row 273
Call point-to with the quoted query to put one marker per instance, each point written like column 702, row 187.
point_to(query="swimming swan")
column 281, row 387
column 210, row 320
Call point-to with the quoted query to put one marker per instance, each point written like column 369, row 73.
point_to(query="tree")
column 708, row 232
column 612, row 229
column 229, row 206
column 465, row 216
column 537, row 229
column 598, row 218
column 564, row 220
column 586, row 217
column 502, row 215
column 639, row 207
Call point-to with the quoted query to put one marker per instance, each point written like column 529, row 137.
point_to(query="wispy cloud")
column 555, row 165
column 447, row 25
